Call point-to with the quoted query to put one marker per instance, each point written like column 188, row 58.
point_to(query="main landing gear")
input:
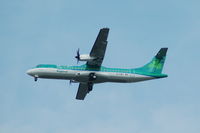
column 92, row 77
column 90, row 86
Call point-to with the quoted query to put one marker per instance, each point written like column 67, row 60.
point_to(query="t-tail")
column 155, row 67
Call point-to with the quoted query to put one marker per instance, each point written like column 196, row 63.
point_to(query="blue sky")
column 48, row 31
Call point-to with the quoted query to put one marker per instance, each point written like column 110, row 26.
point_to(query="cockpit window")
column 46, row 66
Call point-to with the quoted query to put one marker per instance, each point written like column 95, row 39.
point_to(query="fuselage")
column 93, row 72
column 82, row 74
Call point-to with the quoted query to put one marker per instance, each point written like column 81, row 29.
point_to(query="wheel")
column 35, row 78
column 92, row 76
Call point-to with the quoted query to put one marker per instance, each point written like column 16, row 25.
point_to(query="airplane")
column 93, row 72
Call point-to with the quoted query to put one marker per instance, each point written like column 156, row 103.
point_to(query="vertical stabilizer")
column 157, row 63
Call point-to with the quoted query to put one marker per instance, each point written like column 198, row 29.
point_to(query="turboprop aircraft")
column 93, row 72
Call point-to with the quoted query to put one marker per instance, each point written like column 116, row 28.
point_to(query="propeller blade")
column 77, row 55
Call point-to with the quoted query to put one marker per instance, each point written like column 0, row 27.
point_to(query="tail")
column 157, row 63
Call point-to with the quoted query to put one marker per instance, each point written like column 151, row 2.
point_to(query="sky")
column 50, row 31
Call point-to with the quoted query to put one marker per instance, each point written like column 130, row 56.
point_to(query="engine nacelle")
column 85, row 57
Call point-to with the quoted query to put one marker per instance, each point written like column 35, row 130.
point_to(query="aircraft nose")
column 30, row 72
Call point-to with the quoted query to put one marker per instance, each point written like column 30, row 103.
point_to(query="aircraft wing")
column 83, row 89
column 99, row 48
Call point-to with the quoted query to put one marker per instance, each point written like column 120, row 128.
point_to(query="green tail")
column 157, row 63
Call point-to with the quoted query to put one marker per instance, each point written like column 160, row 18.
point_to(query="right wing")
column 83, row 89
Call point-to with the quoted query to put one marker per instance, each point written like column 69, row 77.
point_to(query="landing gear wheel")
column 92, row 76
column 35, row 78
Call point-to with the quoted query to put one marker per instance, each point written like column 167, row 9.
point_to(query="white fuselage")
column 83, row 76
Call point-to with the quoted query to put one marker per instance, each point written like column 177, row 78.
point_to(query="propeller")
column 77, row 55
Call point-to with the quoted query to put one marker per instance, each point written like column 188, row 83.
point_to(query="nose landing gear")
column 35, row 79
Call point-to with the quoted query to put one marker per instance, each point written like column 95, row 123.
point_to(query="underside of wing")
column 83, row 89
column 99, row 48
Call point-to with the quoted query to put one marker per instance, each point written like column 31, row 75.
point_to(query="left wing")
column 83, row 89
column 99, row 48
